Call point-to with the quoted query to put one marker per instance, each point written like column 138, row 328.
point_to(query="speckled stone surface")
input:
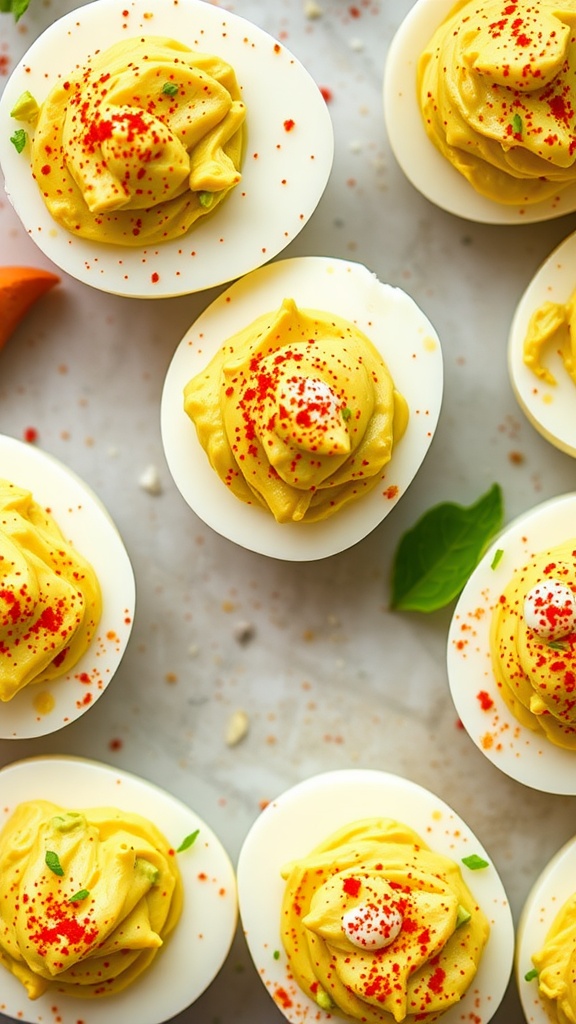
column 328, row 675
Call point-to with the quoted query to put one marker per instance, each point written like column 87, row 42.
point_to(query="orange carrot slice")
column 19, row 289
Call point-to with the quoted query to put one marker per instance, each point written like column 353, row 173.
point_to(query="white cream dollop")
column 550, row 609
column 372, row 926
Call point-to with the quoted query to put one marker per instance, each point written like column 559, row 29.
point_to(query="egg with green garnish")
column 354, row 927
column 73, row 820
column 158, row 152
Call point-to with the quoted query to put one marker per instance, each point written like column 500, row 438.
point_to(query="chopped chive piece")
column 517, row 124
column 497, row 558
column 346, row 413
column 206, row 199
column 79, row 896
column 52, row 861
column 324, row 1001
column 188, row 841
column 463, row 916
column 169, row 89
column 530, row 975
column 19, row 139
column 557, row 645
column 276, row 954
column 474, row 862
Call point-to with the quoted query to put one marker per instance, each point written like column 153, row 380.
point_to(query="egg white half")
column 517, row 751
column 87, row 525
column 424, row 166
column 293, row 824
column 403, row 336
column 193, row 953
column 556, row 883
column 287, row 162
column 550, row 408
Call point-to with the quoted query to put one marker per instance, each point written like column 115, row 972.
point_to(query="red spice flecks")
column 485, row 700
column 326, row 93
column 155, row 278
column 351, row 886
column 30, row 435
column 13, row 610
column 289, row 124
column 67, row 931
column 281, row 996
column 115, row 744
column 436, row 982
column 50, row 619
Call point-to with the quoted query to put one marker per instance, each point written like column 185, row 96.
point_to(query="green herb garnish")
column 557, row 645
column 530, row 975
column 188, row 841
column 15, row 7
column 276, row 954
column 19, row 139
column 517, row 124
column 52, row 861
column 79, row 896
column 474, row 862
column 324, row 1001
column 435, row 558
column 206, row 199
column 169, row 89
column 497, row 558
column 346, row 413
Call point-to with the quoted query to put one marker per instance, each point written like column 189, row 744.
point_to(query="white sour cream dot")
column 550, row 609
column 370, row 926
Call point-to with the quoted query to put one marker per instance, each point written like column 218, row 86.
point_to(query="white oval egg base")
column 550, row 408
column 199, row 944
column 550, row 891
column 424, row 166
column 519, row 752
column 405, row 339
column 293, row 824
column 286, row 165
column 42, row 708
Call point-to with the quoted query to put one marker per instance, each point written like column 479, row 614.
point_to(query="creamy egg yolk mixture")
column 87, row 898
column 297, row 413
column 141, row 143
column 552, row 328
column 50, row 599
column 555, row 966
column 533, row 644
column 496, row 87
column 378, row 928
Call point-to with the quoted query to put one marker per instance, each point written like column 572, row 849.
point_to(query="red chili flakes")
column 30, row 435
column 154, row 277
column 485, row 700
column 45, row 169
column 289, row 124
column 351, row 886
column 326, row 93
column 281, row 996
column 437, row 980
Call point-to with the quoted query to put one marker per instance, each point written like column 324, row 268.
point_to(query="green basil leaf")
column 188, row 841
column 52, row 861
column 475, row 862
column 435, row 558
column 15, row 7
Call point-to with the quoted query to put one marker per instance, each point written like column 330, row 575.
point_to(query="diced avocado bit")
column 462, row 916
column 323, row 1000
column 68, row 822
column 206, row 199
column 25, row 108
column 147, row 869
column 19, row 140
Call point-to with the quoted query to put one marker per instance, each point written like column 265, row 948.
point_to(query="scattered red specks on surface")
column 30, row 435
column 485, row 700
column 115, row 744
column 155, row 278
column 289, row 124
column 326, row 93
column 4, row 64
column 459, row 724
column 354, row 12
column 281, row 996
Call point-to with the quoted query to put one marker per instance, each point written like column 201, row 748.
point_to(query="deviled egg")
column 38, row 702
column 511, row 143
column 306, row 300
column 271, row 146
column 510, row 649
column 540, row 347
column 354, row 830
column 546, row 933
column 192, row 954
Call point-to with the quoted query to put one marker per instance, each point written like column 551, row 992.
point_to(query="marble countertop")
column 330, row 677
